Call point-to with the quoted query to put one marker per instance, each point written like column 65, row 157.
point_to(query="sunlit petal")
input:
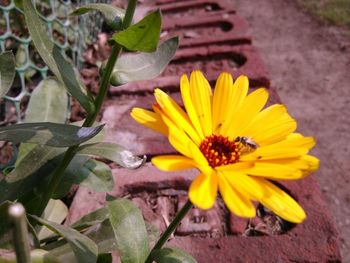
column 149, row 119
column 203, row 190
column 251, row 106
column 222, row 101
column 176, row 114
column 173, row 162
column 235, row 201
column 201, row 96
column 190, row 109
column 281, row 203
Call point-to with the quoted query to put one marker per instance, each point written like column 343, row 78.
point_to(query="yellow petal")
column 203, row 190
column 272, row 153
column 235, row 97
column 275, row 171
column 200, row 160
column 180, row 141
column 295, row 145
column 303, row 163
column 281, row 203
column 275, row 131
column 222, row 100
column 298, row 140
column 173, row 162
column 201, row 96
column 313, row 162
column 268, row 115
column 235, row 202
column 176, row 114
column 149, row 119
column 251, row 106
column 244, row 184
column 191, row 111
column 240, row 166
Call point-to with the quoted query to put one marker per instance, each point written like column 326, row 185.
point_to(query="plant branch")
column 58, row 173
column 170, row 229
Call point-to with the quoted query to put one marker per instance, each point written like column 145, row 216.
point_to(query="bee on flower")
column 238, row 146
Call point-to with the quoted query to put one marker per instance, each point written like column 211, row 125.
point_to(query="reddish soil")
column 309, row 65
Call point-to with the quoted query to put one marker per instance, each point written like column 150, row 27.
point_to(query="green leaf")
column 12, row 189
column 143, row 66
column 47, row 133
column 52, row 56
column 130, row 231
column 31, row 158
column 113, row 152
column 56, row 211
column 101, row 234
column 43, row 256
column 48, row 102
column 94, row 218
column 7, row 72
column 172, row 255
column 84, row 248
column 92, row 174
column 142, row 36
column 104, row 237
column 37, row 256
column 113, row 15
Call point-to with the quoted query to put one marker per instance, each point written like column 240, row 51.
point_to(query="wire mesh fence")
column 71, row 35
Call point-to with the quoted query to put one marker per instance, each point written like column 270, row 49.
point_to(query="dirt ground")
column 309, row 64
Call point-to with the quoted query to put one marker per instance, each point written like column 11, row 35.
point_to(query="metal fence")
column 71, row 35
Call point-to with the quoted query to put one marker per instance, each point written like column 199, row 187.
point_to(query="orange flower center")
column 219, row 150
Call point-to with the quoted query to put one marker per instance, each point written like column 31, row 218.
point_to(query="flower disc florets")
column 219, row 150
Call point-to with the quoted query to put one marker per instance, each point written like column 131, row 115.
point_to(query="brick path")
column 213, row 39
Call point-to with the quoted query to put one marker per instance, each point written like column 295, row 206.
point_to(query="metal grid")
column 71, row 35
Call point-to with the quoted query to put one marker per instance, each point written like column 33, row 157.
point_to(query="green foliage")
column 112, row 152
column 7, row 72
column 142, row 36
column 63, row 70
column 171, row 255
column 48, row 102
column 143, row 66
column 46, row 168
column 334, row 11
column 113, row 15
column 85, row 250
column 92, row 174
column 46, row 133
column 56, row 211
column 130, row 231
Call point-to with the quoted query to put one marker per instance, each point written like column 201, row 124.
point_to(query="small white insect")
column 248, row 143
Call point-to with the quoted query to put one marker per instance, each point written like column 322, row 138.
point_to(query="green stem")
column 20, row 233
column 90, row 119
column 116, row 50
column 170, row 229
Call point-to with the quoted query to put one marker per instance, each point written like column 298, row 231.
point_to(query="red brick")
column 211, row 59
column 314, row 240
column 178, row 9
column 220, row 26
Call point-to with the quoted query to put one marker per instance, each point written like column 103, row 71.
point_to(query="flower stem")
column 170, row 229
column 20, row 233
column 58, row 173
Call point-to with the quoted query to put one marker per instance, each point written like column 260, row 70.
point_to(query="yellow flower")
column 238, row 147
